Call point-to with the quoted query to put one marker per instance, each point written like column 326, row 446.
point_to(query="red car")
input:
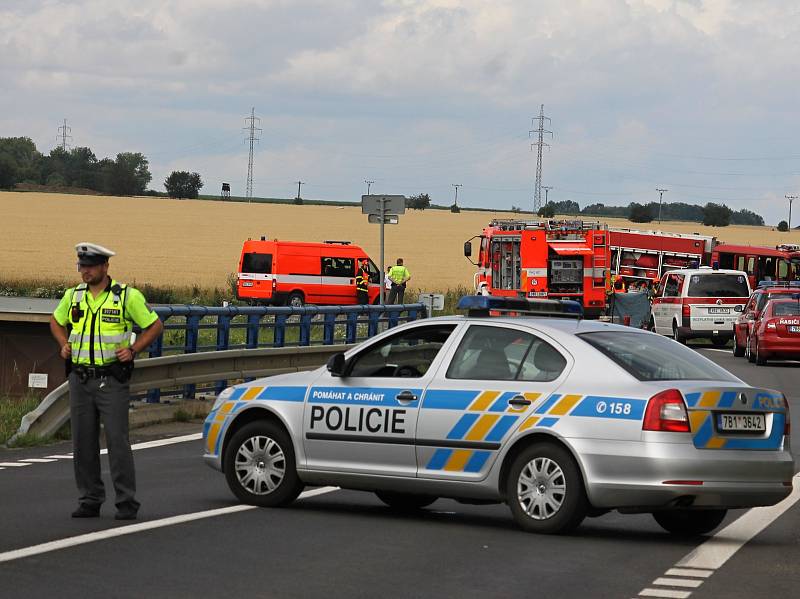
column 743, row 326
column 776, row 333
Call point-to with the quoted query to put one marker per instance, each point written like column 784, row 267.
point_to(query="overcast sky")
column 699, row 97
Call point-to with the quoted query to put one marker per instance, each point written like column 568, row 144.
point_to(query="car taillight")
column 274, row 284
column 686, row 311
column 666, row 411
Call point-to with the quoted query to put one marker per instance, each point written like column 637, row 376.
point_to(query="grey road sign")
column 393, row 204
column 434, row 301
column 389, row 219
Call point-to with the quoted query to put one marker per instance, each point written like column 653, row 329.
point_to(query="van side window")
column 338, row 267
column 672, row 288
column 257, row 263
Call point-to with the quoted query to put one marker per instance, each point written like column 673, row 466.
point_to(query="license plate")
column 794, row 329
column 742, row 423
column 247, row 284
column 719, row 310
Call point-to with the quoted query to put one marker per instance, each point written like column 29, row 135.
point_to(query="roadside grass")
column 12, row 409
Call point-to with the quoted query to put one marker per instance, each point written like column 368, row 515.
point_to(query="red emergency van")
column 295, row 273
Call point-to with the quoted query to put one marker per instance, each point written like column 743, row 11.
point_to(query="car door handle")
column 519, row 401
column 406, row 396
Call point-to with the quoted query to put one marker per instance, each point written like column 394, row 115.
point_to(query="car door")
column 491, row 383
column 364, row 422
column 659, row 306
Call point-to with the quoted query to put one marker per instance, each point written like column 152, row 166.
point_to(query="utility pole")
column 456, row 185
column 537, row 190
column 660, row 196
column 64, row 134
column 546, row 188
column 252, row 137
column 369, row 184
column 299, row 183
column 791, row 199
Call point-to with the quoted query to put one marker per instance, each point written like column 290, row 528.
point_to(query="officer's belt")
column 94, row 372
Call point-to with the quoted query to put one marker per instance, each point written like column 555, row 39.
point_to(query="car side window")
column 502, row 354
column 406, row 355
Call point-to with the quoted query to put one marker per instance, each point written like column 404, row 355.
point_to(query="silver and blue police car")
column 559, row 417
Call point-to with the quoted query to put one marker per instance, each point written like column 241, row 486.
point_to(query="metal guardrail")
column 173, row 371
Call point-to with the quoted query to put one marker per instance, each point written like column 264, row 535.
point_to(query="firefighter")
column 399, row 276
column 93, row 326
column 619, row 284
column 362, row 283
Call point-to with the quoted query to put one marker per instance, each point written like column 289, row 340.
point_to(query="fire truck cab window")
column 257, row 263
column 501, row 354
column 338, row 267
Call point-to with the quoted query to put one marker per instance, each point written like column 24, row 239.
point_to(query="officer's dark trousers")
column 396, row 294
column 103, row 399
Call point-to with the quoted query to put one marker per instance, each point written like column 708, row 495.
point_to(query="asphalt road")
column 347, row 544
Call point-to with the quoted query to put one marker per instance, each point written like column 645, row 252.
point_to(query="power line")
column 456, row 185
column 64, row 134
column 299, row 183
column 537, row 190
column 369, row 184
column 251, row 129
column 660, row 197
column 546, row 188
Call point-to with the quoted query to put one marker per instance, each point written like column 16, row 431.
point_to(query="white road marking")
column 702, row 561
column 724, row 351
column 13, row 464
column 37, row 460
column 60, row 457
column 134, row 528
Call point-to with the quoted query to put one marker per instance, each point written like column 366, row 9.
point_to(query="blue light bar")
column 481, row 305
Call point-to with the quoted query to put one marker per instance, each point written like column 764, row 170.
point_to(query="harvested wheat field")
column 192, row 242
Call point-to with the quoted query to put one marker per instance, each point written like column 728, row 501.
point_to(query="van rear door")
column 712, row 297
column 255, row 276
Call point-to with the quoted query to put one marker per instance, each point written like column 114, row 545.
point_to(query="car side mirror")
column 336, row 364
column 738, row 308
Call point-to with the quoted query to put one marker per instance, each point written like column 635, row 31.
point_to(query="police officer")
column 92, row 325
column 362, row 283
column 399, row 276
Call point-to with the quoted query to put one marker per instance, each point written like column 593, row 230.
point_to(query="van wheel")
column 677, row 336
column 690, row 522
column 545, row 490
column 295, row 300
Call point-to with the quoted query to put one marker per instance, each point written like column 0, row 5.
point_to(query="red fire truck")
column 760, row 263
column 643, row 256
column 553, row 259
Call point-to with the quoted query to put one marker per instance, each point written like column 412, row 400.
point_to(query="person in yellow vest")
column 93, row 326
column 362, row 283
column 399, row 276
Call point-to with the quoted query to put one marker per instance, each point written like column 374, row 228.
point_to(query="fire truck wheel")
column 295, row 300
column 676, row 335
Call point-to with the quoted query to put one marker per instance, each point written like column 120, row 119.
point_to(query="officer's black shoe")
column 86, row 511
column 125, row 514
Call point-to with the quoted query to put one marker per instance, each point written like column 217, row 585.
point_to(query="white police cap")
column 90, row 254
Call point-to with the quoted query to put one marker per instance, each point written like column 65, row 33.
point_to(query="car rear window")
column 718, row 285
column 785, row 308
column 257, row 263
column 655, row 358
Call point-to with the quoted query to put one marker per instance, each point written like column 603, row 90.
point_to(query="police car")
column 559, row 417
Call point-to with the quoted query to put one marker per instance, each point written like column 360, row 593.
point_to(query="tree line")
column 717, row 215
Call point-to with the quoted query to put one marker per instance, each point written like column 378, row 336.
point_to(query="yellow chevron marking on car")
column 483, row 401
column 715, row 443
column 458, row 460
column 529, row 423
column 251, row 393
column 481, row 427
column 211, row 440
column 710, row 399
column 697, row 418
column 564, row 405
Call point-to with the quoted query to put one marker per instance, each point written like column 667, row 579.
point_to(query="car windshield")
column 718, row 285
column 785, row 308
column 655, row 358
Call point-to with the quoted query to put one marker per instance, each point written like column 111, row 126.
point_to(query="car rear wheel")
column 295, row 300
column 738, row 350
column 676, row 335
column 760, row 359
column 545, row 490
column 748, row 352
column 405, row 501
column 690, row 522
column 259, row 465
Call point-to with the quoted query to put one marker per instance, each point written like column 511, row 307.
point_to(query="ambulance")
column 295, row 273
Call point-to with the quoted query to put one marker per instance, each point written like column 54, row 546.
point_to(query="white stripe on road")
column 134, row 528
column 37, row 460
column 162, row 442
column 60, row 457
column 677, row 582
column 665, row 593
column 685, row 572
column 12, row 464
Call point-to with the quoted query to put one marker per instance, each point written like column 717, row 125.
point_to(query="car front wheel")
column 545, row 490
column 676, row 335
column 259, row 465
column 690, row 522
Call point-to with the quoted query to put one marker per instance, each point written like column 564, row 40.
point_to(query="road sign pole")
column 383, row 267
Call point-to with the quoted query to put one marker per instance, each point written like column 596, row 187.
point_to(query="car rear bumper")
column 637, row 476
column 694, row 333
column 780, row 346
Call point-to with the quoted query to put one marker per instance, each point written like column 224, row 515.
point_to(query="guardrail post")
column 329, row 328
column 352, row 327
column 252, row 330
column 374, row 319
column 279, row 338
column 190, row 347
column 154, row 351
column 223, row 340
column 305, row 329
column 392, row 318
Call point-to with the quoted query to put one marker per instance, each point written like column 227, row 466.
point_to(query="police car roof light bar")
column 481, row 305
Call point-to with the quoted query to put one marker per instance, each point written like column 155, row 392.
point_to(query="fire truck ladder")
column 599, row 258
